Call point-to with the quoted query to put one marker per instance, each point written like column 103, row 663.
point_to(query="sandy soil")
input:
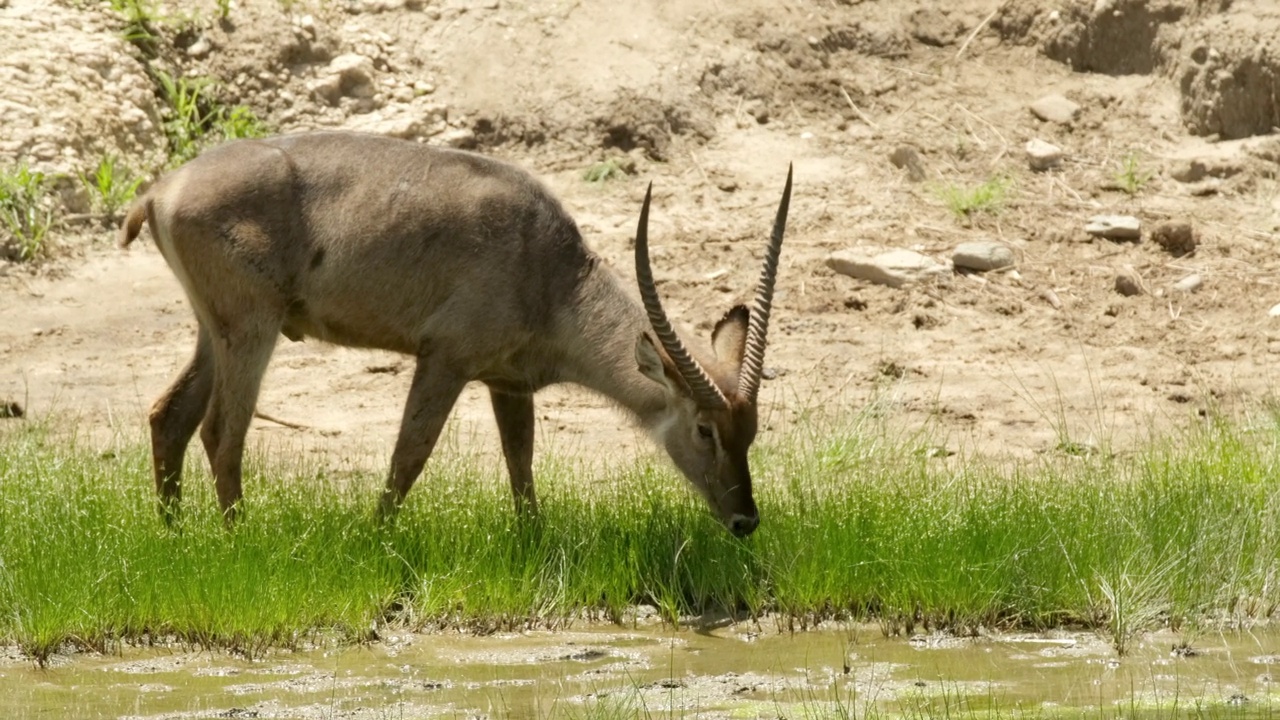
column 1002, row 363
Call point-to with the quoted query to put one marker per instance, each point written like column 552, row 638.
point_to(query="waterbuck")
column 468, row 264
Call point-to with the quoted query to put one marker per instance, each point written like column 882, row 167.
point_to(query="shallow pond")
column 736, row 671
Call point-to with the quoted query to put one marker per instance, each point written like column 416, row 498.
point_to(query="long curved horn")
column 705, row 392
column 758, row 322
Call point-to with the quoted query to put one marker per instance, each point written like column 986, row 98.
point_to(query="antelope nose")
column 742, row 525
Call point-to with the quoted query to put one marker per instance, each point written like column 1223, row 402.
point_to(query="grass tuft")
column 26, row 211
column 604, row 171
column 195, row 118
column 854, row 527
column 965, row 202
column 111, row 187
column 1131, row 177
column 139, row 25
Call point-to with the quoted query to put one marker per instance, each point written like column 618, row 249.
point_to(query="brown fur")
column 467, row 263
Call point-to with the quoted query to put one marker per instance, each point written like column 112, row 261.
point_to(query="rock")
column 1128, row 284
column 327, row 89
column 982, row 256
column 462, row 138
column 355, row 74
column 905, row 157
column 1055, row 109
column 934, row 27
column 1042, row 155
column 406, row 127
column 1274, row 311
column 1177, row 239
column 200, row 48
column 894, row 268
column 1189, row 284
column 1115, row 227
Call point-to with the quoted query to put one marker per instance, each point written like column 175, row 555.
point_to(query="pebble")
column 905, row 157
column 199, row 48
column 982, row 256
column 894, row 268
column 1177, row 239
column 1128, row 285
column 1042, row 156
column 1189, row 284
column 1055, row 109
column 457, row 138
column 1274, row 311
column 1115, row 227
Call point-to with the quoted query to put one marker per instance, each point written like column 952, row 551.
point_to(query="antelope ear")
column 729, row 339
column 652, row 363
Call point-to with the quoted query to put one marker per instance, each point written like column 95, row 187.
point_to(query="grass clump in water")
column 853, row 527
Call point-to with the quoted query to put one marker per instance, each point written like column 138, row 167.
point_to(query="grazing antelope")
column 468, row 264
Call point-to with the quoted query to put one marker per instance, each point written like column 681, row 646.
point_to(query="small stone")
column 327, row 89
column 894, row 268
column 1274, row 311
column 355, row 74
column 1043, row 156
column 1177, row 239
column 200, row 48
column 1189, row 172
column 462, row 138
column 1115, row 227
column 982, row 256
column 905, row 157
column 1055, row 109
column 1189, row 284
column 1128, row 285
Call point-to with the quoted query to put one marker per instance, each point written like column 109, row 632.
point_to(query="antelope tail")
column 133, row 221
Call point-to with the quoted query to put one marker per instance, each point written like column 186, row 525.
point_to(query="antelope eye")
column 705, row 432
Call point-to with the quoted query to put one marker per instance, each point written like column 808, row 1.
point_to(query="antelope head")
column 709, row 420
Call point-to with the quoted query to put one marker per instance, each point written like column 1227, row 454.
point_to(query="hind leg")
column 240, row 355
column 174, row 418
column 434, row 390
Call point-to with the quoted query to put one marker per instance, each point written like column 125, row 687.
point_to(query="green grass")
column 111, row 186
column 965, row 202
column 1131, row 177
column 854, row 526
column 26, row 211
column 195, row 119
column 604, row 171
column 139, row 24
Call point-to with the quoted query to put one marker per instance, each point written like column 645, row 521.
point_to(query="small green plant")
column 224, row 9
column 238, row 122
column 26, row 210
column 1131, row 176
column 604, row 171
column 139, row 22
column 965, row 202
column 186, row 121
column 111, row 186
column 195, row 117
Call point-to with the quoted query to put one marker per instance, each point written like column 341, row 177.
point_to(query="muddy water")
column 736, row 671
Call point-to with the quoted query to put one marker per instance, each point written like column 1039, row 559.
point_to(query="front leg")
column 514, row 413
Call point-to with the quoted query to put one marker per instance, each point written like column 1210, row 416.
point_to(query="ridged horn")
column 758, row 322
column 705, row 392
